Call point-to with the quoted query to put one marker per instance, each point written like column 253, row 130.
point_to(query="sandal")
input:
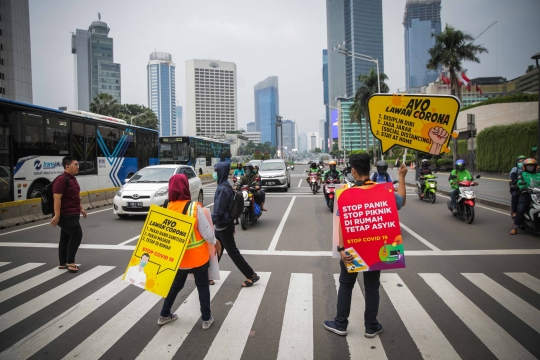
column 212, row 282
column 250, row 282
column 63, row 267
column 72, row 268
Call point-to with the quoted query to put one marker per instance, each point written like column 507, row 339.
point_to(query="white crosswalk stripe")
column 30, row 283
column 18, row 270
column 528, row 280
column 4, row 263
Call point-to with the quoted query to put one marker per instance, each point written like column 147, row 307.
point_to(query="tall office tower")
column 162, row 91
column 15, row 56
column 327, row 127
column 289, row 135
column 313, row 140
column 179, row 121
column 302, row 142
column 322, row 130
column 210, row 97
column 251, row 127
column 421, row 19
column 358, row 23
column 266, row 108
column 95, row 70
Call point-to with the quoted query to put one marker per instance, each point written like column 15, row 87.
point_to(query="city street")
column 469, row 291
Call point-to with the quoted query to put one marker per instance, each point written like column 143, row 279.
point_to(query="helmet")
column 530, row 165
column 248, row 169
column 520, row 158
column 425, row 162
column 332, row 164
column 313, row 165
column 460, row 164
column 382, row 167
column 321, row 162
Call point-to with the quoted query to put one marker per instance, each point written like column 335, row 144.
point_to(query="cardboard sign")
column 159, row 251
column 418, row 122
column 370, row 228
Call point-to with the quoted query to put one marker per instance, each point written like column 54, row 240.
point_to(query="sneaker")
column 167, row 319
column 331, row 325
column 370, row 333
column 206, row 324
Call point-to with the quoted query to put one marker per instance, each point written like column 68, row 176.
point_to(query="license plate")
column 270, row 183
column 134, row 204
column 247, row 203
column 331, row 185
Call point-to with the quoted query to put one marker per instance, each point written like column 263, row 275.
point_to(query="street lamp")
column 536, row 57
column 136, row 116
column 279, row 123
column 342, row 50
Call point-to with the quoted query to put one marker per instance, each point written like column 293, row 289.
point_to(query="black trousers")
column 226, row 238
column 70, row 238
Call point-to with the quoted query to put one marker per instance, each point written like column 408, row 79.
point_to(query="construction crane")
column 486, row 29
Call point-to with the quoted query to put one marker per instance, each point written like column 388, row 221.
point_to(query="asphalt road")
column 469, row 291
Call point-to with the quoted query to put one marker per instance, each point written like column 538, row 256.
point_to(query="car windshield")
column 272, row 166
column 152, row 175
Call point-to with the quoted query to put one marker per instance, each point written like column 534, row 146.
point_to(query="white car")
column 149, row 186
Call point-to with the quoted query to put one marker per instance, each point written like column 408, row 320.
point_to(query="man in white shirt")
column 135, row 274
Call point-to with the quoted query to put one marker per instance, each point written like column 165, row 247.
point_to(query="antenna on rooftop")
column 99, row 16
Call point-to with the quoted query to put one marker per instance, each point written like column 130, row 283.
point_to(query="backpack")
column 47, row 197
column 238, row 203
column 376, row 175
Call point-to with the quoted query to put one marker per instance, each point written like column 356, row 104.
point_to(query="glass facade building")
column 353, row 136
column 421, row 19
column 109, row 79
column 251, row 126
column 179, row 121
column 289, row 136
column 162, row 91
column 325, row 133
column 266, row 108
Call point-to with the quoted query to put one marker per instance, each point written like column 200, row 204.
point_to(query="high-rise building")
column 179, row 120
column 322, row 130
column 289, row 135
column 251, row 126
column 421, row 19
column 162, row 91
column 210, row 97
column 15, row 56
column 302, row 142
column 266, row 108
column 352, row 135
column 253, row 136
column 313, row 140
column 95, row 69
column 358, row 23
column 327, row 127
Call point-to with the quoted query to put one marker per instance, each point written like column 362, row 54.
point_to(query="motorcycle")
column 465, row 200
column 249, row 214
column 531, row 219
column 329, row 190
column 429, row 190
column 314, row 182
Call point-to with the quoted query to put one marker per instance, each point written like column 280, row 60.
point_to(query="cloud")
column 220, row 27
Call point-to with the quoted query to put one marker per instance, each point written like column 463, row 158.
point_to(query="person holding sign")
column 360, row 164
column 196, row 259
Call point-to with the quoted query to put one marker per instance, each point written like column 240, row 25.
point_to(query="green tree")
column 105, row 104
column 317, row 150
column 451, row 48
column 139, row 115
column 369, row 87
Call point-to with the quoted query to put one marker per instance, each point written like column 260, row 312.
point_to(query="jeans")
column 226, row 238
column 515, row 198
column 453, row 197
column 70, row 238
column 371, row 286
column 422, row 183
column 522, row 206
column 201, row 281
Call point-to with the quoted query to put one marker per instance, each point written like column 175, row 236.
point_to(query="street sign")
column 471, row 144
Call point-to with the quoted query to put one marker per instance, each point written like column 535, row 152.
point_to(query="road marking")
column 32, row 343
column 30, row 283
column 300, row 183
column 97, row 344
column 129, row 240
column 426, row 334
column 517, row 306
column 19, row 270
column 23, row 311
column 277, row 234
column 498, row 341
column 360, row 347
column 4, row 263
column 231, row 339
column 207, row 206
column 528, row 280
column 419, row 238
column 296, row 340
column 189, row 313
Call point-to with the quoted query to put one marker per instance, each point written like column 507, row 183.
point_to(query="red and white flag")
column 445, row 80
column 465, row 78
column 478, row 89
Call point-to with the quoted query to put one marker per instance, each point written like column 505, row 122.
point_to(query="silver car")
column 275, row 174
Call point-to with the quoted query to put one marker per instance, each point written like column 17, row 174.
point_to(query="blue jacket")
column 224, row 197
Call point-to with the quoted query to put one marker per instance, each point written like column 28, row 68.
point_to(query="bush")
column 444, row 162
column 498, row 146
column 519, row 97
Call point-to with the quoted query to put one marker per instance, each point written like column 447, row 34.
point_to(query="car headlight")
column 119, row 192
column 162, row 191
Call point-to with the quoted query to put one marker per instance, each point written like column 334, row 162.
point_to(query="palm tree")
column 362, row 96
column 105, row 104
column 451, row 48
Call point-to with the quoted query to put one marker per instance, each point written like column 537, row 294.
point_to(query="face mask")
column 520, row 166
column 529, row 168
column 248, row 172
column 143, row 263
column 214, row 175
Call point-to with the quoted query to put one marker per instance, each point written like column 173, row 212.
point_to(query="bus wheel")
column 35, row 191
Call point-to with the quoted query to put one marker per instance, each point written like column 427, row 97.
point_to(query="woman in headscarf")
column 196, row 259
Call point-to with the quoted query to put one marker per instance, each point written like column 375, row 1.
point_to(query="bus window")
column 90, row 157
column 110, row 137
column 144, row 149
column 77, row 139
column 31, row 138
column 131, row 136
column 56, row 136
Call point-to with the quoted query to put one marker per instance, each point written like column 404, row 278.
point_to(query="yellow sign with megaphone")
column 418, row 122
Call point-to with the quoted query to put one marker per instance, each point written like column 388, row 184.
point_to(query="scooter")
column 430, row 189
column 252, row 212
column 531, row 219
column 465, row 201
column 314, row 181
column 329, row 191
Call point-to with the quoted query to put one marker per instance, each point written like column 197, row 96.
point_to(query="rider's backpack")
column 238, row 203
column 47, row 197
column 376, row 176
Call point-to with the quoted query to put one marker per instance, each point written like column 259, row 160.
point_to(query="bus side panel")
column 32, row 174
column 113, row 172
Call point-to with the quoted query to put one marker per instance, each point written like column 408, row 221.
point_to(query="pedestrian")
column 196, row 260
column 67, row 213
column 360, row 164
column 224, row 223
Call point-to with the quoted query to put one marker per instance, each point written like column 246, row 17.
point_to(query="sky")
column 281, row 38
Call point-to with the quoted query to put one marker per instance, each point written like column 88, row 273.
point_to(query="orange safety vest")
column 196, row 253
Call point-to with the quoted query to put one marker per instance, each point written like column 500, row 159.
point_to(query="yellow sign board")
column 418, row 122
column 159, row 251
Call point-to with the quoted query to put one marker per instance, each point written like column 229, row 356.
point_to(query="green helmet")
column 520, row 157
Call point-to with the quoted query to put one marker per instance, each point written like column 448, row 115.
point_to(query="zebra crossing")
column 299, row 320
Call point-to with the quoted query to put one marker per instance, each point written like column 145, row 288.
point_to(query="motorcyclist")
column 314, row 168
column 381, row 175
column 457, row 175
column 251, row 179
column 263, row 193
column 239, row 171
column 526, row 178
column 423, row 170
column 514, row 190
column 332, row 172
